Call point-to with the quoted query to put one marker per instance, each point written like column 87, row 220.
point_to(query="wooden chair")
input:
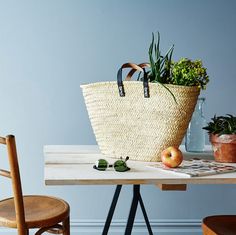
column 219, row 225
column 47, row 214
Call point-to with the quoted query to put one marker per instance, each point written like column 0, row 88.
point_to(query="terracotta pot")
column 224, row 147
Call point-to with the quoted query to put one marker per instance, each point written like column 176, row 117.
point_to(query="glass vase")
column 195, row 136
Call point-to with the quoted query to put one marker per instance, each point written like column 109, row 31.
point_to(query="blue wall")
column 49, row 47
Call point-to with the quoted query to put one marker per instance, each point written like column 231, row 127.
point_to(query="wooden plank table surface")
column 73, row 165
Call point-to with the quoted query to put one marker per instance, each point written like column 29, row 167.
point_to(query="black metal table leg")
column 133, row 209
column 130, row 222
column 112, row 209
column 136, row 198
column 145, row 215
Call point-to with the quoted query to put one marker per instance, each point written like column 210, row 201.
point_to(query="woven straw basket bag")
column 138, row 119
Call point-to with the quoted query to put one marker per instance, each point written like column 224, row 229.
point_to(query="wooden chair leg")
column 66, row 226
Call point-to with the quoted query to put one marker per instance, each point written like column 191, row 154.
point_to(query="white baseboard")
column 160, row 227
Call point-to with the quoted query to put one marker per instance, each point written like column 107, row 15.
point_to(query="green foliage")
column 160, row 65
column 164, row 71
column 184, row 72
column 189, row 73
column 222, row 125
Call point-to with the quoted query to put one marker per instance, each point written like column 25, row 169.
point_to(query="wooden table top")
column 73, row 165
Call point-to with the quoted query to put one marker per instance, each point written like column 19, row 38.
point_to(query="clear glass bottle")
column 195, row 136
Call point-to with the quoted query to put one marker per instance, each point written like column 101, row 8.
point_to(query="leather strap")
column 132, row 71
column 134, row 67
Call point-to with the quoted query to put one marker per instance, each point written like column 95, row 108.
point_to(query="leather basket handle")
column 133, row 70
column 134, row 67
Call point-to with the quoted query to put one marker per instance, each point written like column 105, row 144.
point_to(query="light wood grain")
column 61, row 170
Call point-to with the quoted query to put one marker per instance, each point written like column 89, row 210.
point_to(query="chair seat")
column 40, row 211
column 219, row 225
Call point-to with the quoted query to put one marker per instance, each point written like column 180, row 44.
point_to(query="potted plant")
column 222, row 135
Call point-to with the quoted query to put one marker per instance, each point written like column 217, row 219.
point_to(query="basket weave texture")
column 135, row 126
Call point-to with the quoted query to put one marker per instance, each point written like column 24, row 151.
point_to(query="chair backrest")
column 14, row 175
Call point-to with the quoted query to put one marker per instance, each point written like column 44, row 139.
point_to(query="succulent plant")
column 222, row 125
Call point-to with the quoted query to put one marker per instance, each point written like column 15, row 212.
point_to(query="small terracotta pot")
column 224, row 147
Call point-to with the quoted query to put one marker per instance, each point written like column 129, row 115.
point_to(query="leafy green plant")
column 160, row 65
column 222, row 125
column 189, row 73
column 164, row 71
column 184, row 72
